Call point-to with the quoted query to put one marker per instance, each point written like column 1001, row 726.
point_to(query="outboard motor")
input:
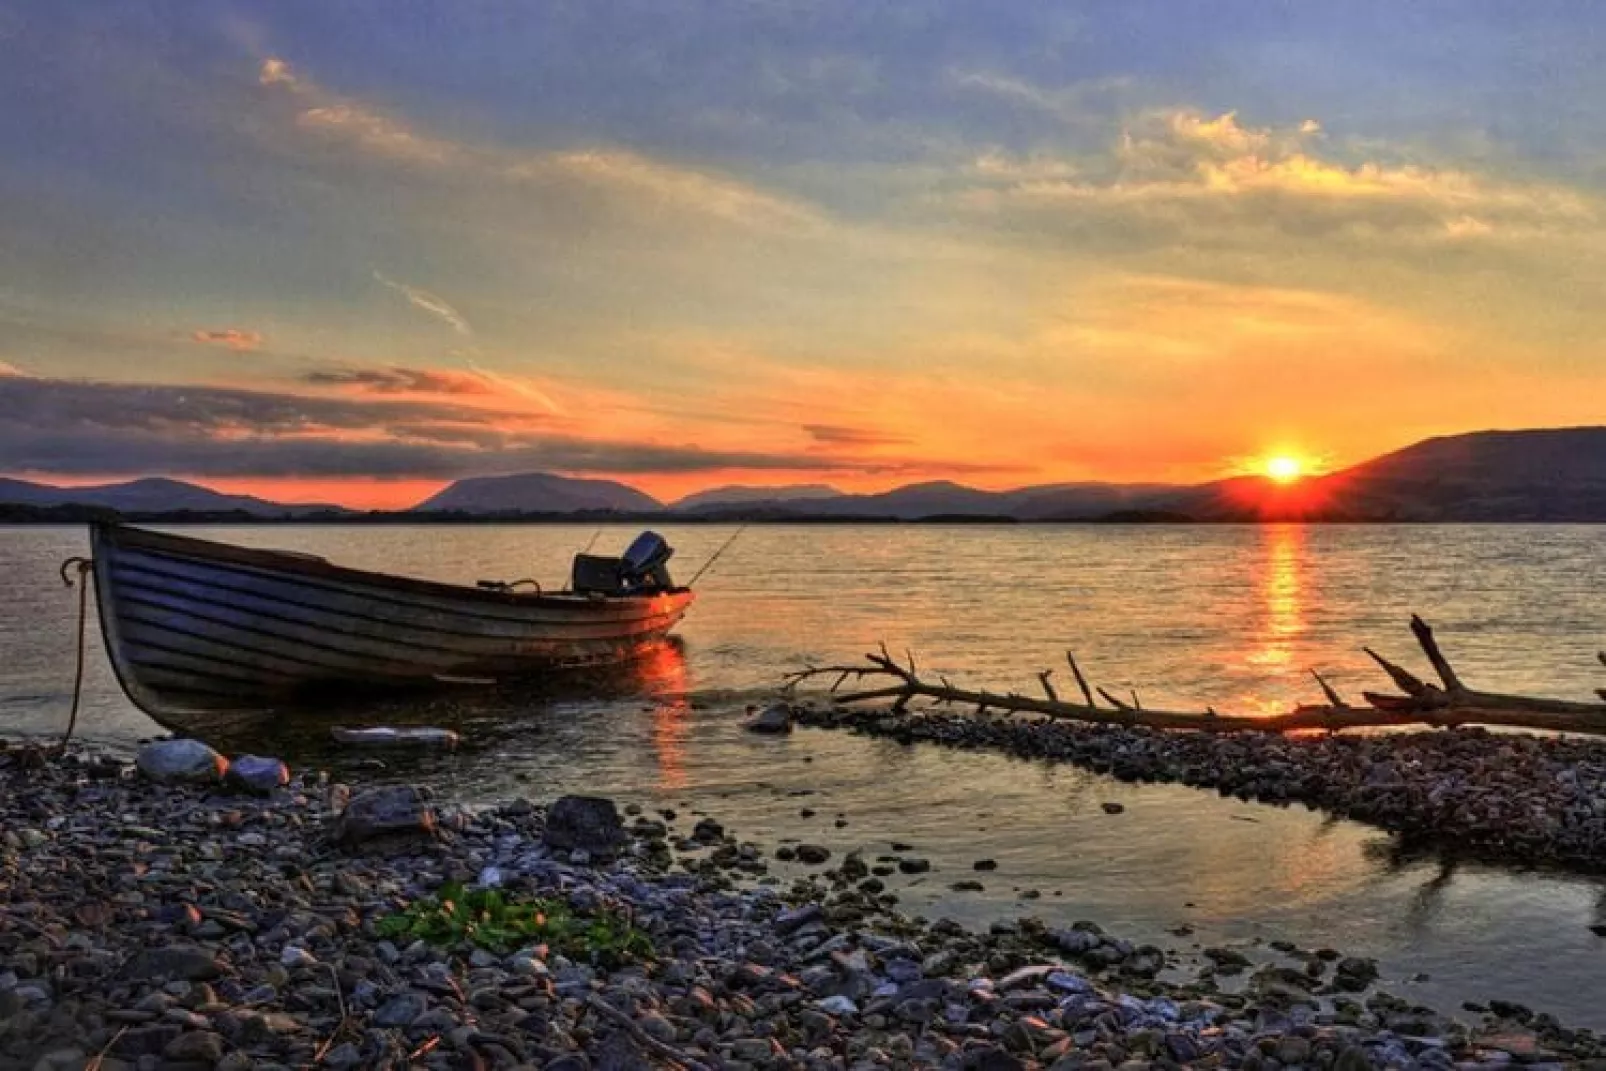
column 645, row 562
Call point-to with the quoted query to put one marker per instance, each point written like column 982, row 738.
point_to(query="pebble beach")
column 150, row 925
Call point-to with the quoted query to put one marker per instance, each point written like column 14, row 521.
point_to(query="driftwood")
column 1449, row 703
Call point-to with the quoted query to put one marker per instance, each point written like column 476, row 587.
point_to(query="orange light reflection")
column 1282, row 591
column 664, row 678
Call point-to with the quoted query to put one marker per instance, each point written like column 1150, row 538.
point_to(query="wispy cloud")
column 837, row 435
column 234, row 338
column 370, row 130
column 398, row 380
column 430, row 303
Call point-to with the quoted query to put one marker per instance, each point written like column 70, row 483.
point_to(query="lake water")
column 1230, row 616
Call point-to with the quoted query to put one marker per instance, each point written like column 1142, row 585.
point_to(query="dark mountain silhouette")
column 943, row 498
column 1551, row 474
column 741, row 495
column 538, row 492
column 150, row 495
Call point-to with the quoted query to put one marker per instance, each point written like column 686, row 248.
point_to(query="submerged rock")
column 181, row 760
column 773, row 719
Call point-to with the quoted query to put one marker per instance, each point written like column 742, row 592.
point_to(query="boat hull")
column 193, row 625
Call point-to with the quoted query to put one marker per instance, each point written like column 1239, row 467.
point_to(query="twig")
column 1329, row 691
column 97, row 1061
column 646, row 1040
column 1048, row 688
column 340, row 1027
column 1081, row 681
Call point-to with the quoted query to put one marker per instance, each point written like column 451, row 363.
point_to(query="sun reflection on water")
column 1281, row 602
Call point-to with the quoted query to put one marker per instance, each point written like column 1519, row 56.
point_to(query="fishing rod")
column 710, row 562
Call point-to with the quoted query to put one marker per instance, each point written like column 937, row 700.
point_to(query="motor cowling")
column 645, row 562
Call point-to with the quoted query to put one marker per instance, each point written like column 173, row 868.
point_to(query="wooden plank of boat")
column 195, row 624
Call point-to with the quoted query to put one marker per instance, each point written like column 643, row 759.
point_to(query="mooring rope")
column 83, row 566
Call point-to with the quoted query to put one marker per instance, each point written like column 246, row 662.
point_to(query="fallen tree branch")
column 1451, row 704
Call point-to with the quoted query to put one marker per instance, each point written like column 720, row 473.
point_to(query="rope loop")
column 82, row 566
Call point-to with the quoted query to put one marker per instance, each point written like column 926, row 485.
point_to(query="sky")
column 351, row 252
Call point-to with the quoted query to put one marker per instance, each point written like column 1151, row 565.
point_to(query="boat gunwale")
column 293, row 563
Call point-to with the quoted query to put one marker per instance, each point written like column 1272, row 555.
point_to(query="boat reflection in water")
column 491, row 719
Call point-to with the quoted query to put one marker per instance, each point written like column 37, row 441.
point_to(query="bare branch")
column 1333, row 698
column 1081, row 681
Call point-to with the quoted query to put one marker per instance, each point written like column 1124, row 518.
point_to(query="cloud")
column 234, row 338
column 76, row 427
column 1190, row 174
column 7, row 369
column 398, row 380
column 435, row 306
column 837, row 435
column 372, row 132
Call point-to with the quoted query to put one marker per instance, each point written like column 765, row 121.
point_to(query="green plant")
column 490, row 920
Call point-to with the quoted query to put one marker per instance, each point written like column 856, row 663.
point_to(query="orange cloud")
column 234, row 338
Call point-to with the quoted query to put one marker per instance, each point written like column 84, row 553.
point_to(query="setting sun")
column 1284, row 469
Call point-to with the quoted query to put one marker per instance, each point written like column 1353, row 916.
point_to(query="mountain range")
column 153, row 494
column 1553, row 474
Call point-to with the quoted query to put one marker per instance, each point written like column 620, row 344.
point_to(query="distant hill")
column 949, row 500
column 1550, row 474
column 150, row 495
column 538, row 492
column 739, row 495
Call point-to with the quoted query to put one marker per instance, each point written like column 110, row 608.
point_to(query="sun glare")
column 1284, row 469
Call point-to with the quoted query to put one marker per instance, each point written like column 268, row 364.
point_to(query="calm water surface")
column 1234, row 617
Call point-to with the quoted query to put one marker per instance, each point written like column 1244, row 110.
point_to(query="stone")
column 188, row 963
column 256, row 773
column 401, row 1010
column 180, row 760
column 198, row 1046
column 378, row 812
column 343, row 1057
column 591, row 824
column 775, row 719
column 793, row 919
column 812, row 854
column 1352, row 1058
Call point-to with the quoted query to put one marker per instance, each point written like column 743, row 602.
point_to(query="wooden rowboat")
column 195, row 625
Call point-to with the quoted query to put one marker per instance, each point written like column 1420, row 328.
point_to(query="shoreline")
column 1506, row 798
column 106, row 870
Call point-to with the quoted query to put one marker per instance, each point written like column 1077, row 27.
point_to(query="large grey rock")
column 256, row 773
column 180, row 760
column 378, row 812
column 589, row 824
column 773, row 719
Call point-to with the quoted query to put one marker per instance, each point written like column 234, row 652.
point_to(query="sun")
column 1283, row 469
